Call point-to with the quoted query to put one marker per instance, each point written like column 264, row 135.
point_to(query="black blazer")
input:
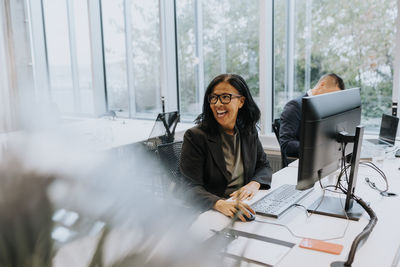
column 203, row 165
column 289, row 131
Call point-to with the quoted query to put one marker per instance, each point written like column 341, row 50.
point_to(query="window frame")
column 169, row 62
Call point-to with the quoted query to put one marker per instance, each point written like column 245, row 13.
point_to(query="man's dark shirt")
column 289, row 131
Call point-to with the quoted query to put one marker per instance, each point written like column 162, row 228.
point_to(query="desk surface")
column 99, row 134
column 105, row 133
column 380, row 248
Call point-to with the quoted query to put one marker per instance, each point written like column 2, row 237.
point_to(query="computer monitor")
column 388, row 129
column 328, row 122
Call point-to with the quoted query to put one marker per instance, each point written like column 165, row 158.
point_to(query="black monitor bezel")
column 343, row 107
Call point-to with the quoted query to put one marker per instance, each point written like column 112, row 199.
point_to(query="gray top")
column 233, row 160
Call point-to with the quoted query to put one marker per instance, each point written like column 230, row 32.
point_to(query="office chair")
column 276, row 125
column 163, row 131
column 169, row 155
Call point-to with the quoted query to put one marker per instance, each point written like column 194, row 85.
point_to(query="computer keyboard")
column 278, row 201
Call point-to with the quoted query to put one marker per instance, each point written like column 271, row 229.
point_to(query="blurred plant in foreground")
column 140, row 227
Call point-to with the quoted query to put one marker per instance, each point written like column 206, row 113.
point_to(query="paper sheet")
column 257, row 250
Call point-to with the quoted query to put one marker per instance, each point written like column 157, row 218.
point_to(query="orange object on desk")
column 321, row 246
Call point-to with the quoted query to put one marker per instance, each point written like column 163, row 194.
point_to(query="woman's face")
column 226, row 114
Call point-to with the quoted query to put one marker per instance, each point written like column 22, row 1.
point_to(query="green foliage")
column 230, row 45
column 354, row 39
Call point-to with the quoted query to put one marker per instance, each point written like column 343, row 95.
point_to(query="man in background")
column 289, row 131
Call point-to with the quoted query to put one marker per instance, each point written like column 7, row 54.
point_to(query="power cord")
column 382, row 192
column 372, row 184
column 361, row 237
column 308, row 214
column 300, row 236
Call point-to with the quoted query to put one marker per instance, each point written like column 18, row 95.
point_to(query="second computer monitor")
column 324, row 117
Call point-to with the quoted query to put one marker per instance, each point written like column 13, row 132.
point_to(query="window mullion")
column 129, row 57
column 73, row 54
column 97, row 57
column 289, row 65
column 169, row 82
column 308, row 45
column 396, row 65
column 266, row 74
column 199, row 52
column 39, row 50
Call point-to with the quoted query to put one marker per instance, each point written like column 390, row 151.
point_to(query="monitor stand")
column 333, row 206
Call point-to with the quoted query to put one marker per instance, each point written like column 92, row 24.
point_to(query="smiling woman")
column 225, row 110
column 222, row 156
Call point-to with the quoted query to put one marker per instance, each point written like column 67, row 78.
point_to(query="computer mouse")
column 251, row 218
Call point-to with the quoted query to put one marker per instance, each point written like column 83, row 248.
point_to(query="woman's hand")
column 246, row 192
column 230, row 208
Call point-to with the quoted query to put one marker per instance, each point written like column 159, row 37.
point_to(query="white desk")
column 379, row 249
column 105, row 133
column 94, row 134
column 294, row 164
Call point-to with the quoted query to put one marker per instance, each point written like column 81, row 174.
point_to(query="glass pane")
column 115, row 55
column 83, row 54
column 189, row 100
column 354, row 39
column 58, row 54
column 229, row 37
column 146, row 55
column 187, row 58
column 230, row 40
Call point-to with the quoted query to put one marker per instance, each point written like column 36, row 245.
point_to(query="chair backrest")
column 276, row 125
column 163, row 131
column 170, row 155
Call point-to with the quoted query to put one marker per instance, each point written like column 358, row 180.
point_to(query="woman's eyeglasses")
column 224, row 98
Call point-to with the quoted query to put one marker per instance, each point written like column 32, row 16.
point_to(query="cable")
column 375, row 168
column 300, row 236
column 308, row 216
column 362, row 237
column 371, row 184
column 394, row 148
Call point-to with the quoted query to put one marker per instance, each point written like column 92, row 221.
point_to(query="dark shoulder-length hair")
column 248, row 115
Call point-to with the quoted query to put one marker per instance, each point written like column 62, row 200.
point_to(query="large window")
column 133, row 56
column 354, row 39
column 58, row 54
column 69, row 55
column 115, row 56
column 215, row 37
column 174, row 48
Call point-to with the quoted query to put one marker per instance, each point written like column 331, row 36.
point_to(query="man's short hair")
column 336, row 78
